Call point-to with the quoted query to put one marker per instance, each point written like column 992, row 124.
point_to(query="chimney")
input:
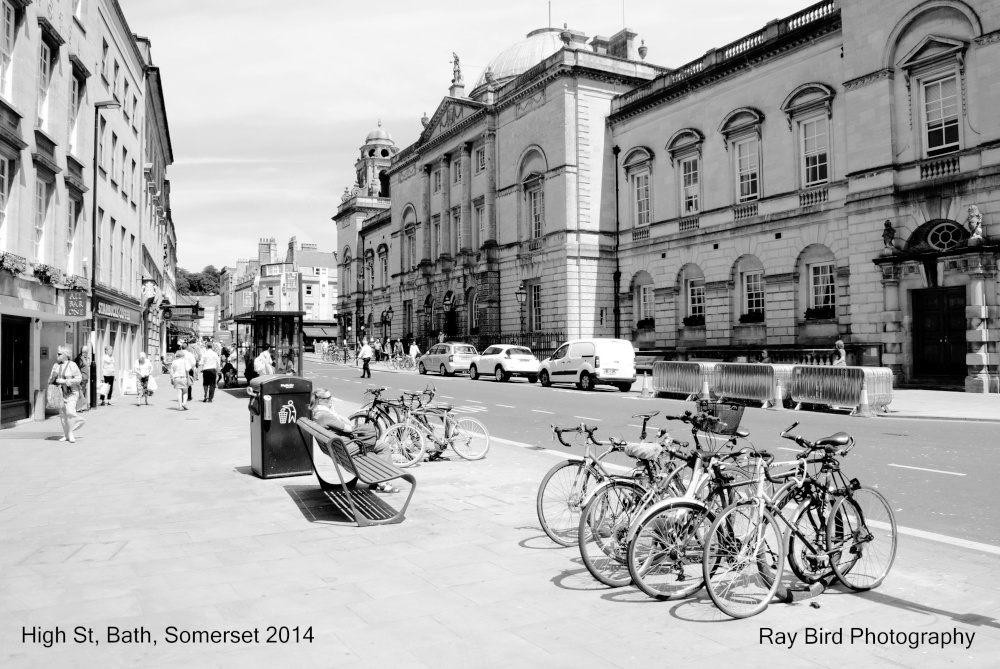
column 622, row 45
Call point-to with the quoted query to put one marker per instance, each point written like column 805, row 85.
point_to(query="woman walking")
column 180, row 378
column 108, row 372
column 143, row 368
column 83, row 364
column 66, row 375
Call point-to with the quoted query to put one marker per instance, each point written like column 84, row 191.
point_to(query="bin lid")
column 280, row 384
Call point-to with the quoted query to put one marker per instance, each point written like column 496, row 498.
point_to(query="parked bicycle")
column 429, row 424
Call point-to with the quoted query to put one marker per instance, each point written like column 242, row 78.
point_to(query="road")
column 935, row 474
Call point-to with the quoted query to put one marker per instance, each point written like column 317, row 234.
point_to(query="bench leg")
column 400, row 515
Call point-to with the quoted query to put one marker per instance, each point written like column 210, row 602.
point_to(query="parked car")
column 588, row 362
column 503, row 361
column 447, row 358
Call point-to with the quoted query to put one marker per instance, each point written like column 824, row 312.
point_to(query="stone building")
column 833, row 175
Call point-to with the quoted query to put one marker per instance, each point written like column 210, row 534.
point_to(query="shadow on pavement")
column 331, row 506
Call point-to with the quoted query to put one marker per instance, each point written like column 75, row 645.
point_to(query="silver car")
column 447, row 358
column 503, row 361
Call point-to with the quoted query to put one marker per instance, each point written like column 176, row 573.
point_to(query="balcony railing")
column 640, row 234
column 939, row 168
column 535, row 244
column 742, row 211
column 815, row 196
column 686, row 224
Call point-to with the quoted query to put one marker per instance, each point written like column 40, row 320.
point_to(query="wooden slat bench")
column 368, row 469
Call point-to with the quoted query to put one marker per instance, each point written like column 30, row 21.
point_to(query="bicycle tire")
column 406, row 444
column 560, row 497
column 468, row 437
column 665, row 553
column 603, row 531
column 810, row 519
column 861, row 536
column 364, row 418
column 743, row 582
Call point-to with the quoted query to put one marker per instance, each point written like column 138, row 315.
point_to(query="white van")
column 587, row 362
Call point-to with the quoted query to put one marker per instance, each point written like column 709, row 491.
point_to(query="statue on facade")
column 456, row 76
column 975, row 224
column 888, row 239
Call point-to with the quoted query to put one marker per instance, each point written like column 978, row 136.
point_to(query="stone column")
column 490, row 202
column 425, row 212
column 446, row 238
column 892, row 333
column 466, row 167
column 982, row 362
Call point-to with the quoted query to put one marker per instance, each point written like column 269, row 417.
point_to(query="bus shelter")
column 281, row 329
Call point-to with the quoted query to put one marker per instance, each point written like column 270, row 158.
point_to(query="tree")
column 183, row 281
column 205, row 282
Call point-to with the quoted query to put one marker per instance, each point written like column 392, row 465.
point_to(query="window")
column 100, row 244
column 753, row 292
column 474, row 312
column 348, row 288
column 8, row 27
column 747, row 169
column 76, row 88
column 130, row 277
column 125, row 100
column 690, row 186
column 481, row 223
column 44, row 78
column 534, row 307
column 822, row 291
column 941, row 115
column 124, row 167
column 41, row 215
column 646, row 302
column 407, row 316
column 437, row 180
column 696, row 297
column 480, row 160
column 815, row 151
column 411, row 245
column 114, row 82
column 73, row 209
column 436, row 225
column 640, row 192
column 114, row 157
column 78, row 8
column 122, row 285
column 104, row 60
column 456, row 221
column 135, row 105
column 536, row 211
column 100, row 144
column 270, row 291
column 309, row 290
column 247, row 298
column 456, row 168
column 384, row 263
column 6, row 172
column 131, row 181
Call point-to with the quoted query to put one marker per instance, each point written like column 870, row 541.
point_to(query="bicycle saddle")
column 375, row 390
column 742, row 432
column 647, row 416
column 442, row 407
column 838, row 439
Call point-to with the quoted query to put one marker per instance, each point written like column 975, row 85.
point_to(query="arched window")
column 809, row 108
column 741, row 130
column 818, row 282
column 684, row 147
column 532, row 183
column 348, row 287
column 472, row 302
column 691, row 286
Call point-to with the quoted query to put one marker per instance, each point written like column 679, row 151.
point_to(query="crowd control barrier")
column 691, row 378
column 865, row 389
column 767, row 384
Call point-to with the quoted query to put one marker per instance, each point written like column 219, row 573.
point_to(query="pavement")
column 152, row 523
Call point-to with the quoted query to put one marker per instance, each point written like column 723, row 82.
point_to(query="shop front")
column 119, row 322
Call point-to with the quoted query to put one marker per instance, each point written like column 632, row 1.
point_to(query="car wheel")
column 544, row 378
column 473, row 373
column 532, row 378
column 444, row 371
column 421, row 368
column 586, row 381
column 624, row 387
column 500, row 375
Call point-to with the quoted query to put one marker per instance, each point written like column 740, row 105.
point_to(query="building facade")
column 67, row 67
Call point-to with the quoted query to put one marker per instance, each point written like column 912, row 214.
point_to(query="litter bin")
column 277, row 401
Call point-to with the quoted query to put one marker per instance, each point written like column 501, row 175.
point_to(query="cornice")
column 988, row 38
column 870, row 78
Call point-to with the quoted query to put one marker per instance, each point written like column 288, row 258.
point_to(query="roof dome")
column 378, row 135
column 521, row 56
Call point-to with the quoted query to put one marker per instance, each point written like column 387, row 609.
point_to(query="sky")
column 268, row 103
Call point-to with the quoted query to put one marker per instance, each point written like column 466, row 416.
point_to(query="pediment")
column 741, row 119
column 932, row 49
column 450, row 113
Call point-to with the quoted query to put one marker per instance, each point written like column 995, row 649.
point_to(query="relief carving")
column 870, row 78
column 529, row 103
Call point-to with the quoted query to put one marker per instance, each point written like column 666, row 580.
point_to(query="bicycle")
column 745, row 552
column 408, row 439
column 379, row 413
column 566, row 487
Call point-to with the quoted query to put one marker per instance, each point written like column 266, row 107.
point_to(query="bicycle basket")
column 728, row 413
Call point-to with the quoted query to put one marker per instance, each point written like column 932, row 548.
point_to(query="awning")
column 319, row 333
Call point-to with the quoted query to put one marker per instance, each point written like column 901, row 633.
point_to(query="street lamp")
column 387, row 321
column 107, row 104
column 521, row 294
column 446, row 305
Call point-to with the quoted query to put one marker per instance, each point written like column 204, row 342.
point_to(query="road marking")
column 795, row 450
column 540, row 411
column 941, row 538
column 634, row 425
column 474, row 401
column 447, row 397
column 506, row 406
column 467, row 409
column 599, row 420
column 936, row 471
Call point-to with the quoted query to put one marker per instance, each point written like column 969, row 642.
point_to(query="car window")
column 465, row 349
column 560, row 352
column 518, row 350
column 434, row 350
column 581, row 349
column 492, row 350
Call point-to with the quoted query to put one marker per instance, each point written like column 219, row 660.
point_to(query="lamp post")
column 388, row 322
column 446, row 305
column 521, row 294
column 107, row 104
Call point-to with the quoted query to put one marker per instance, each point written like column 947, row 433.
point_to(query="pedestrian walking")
column 397, row 347
column 143, row 368
column 263, row 364
column 191, row 356
column 180, row 378
column 66, row 375
column 365, row 355
column 377, row 349
column 84, row 363
column 108, row 374
column 209, row 373
column 414, row 351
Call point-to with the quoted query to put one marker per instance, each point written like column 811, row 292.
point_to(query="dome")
column 522, row 56
column 378, row 135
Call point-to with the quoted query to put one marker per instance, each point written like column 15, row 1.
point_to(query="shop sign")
column 117, row 312
column 76, row 304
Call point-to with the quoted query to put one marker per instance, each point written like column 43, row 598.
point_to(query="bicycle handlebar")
column 579, row 429
column 811, row 446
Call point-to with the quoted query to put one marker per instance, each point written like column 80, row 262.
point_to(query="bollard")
column 706, row 394
column 778, row 402
column 646, row 392
column 864, row 408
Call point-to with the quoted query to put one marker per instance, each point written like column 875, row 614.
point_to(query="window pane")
column 753, row 292
column 690, row 186
column 823, row 289
column 696, row 297
column 747, row 169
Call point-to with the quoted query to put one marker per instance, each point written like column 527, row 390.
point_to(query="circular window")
column 945, row 236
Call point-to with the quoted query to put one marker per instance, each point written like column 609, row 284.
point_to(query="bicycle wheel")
column 469, row 438
column 406, row 444
column 743, row 560
column 603, row 531
column 861, row 538
column 560, row 498
column 664, row 557
column 808, row 565
column 379, row 423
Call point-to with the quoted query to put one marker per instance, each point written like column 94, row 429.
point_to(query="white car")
column 503, row 361
column 588, row 362
column 447, row 358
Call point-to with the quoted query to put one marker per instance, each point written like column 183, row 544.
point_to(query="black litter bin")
column 277, row 401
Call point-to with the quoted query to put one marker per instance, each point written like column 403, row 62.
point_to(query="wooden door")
column 939, row 332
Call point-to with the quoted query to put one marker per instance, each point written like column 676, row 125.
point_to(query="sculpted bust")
column 975, row 224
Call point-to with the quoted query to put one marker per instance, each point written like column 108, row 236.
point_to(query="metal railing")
column 750, row 381
column 690, row 378
column 864, row 389
column 856, row 353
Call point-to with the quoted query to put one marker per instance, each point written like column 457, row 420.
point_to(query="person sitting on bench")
column 362, row 438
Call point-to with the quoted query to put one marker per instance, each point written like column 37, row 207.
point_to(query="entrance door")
column 15, row 345
column 939, row 332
